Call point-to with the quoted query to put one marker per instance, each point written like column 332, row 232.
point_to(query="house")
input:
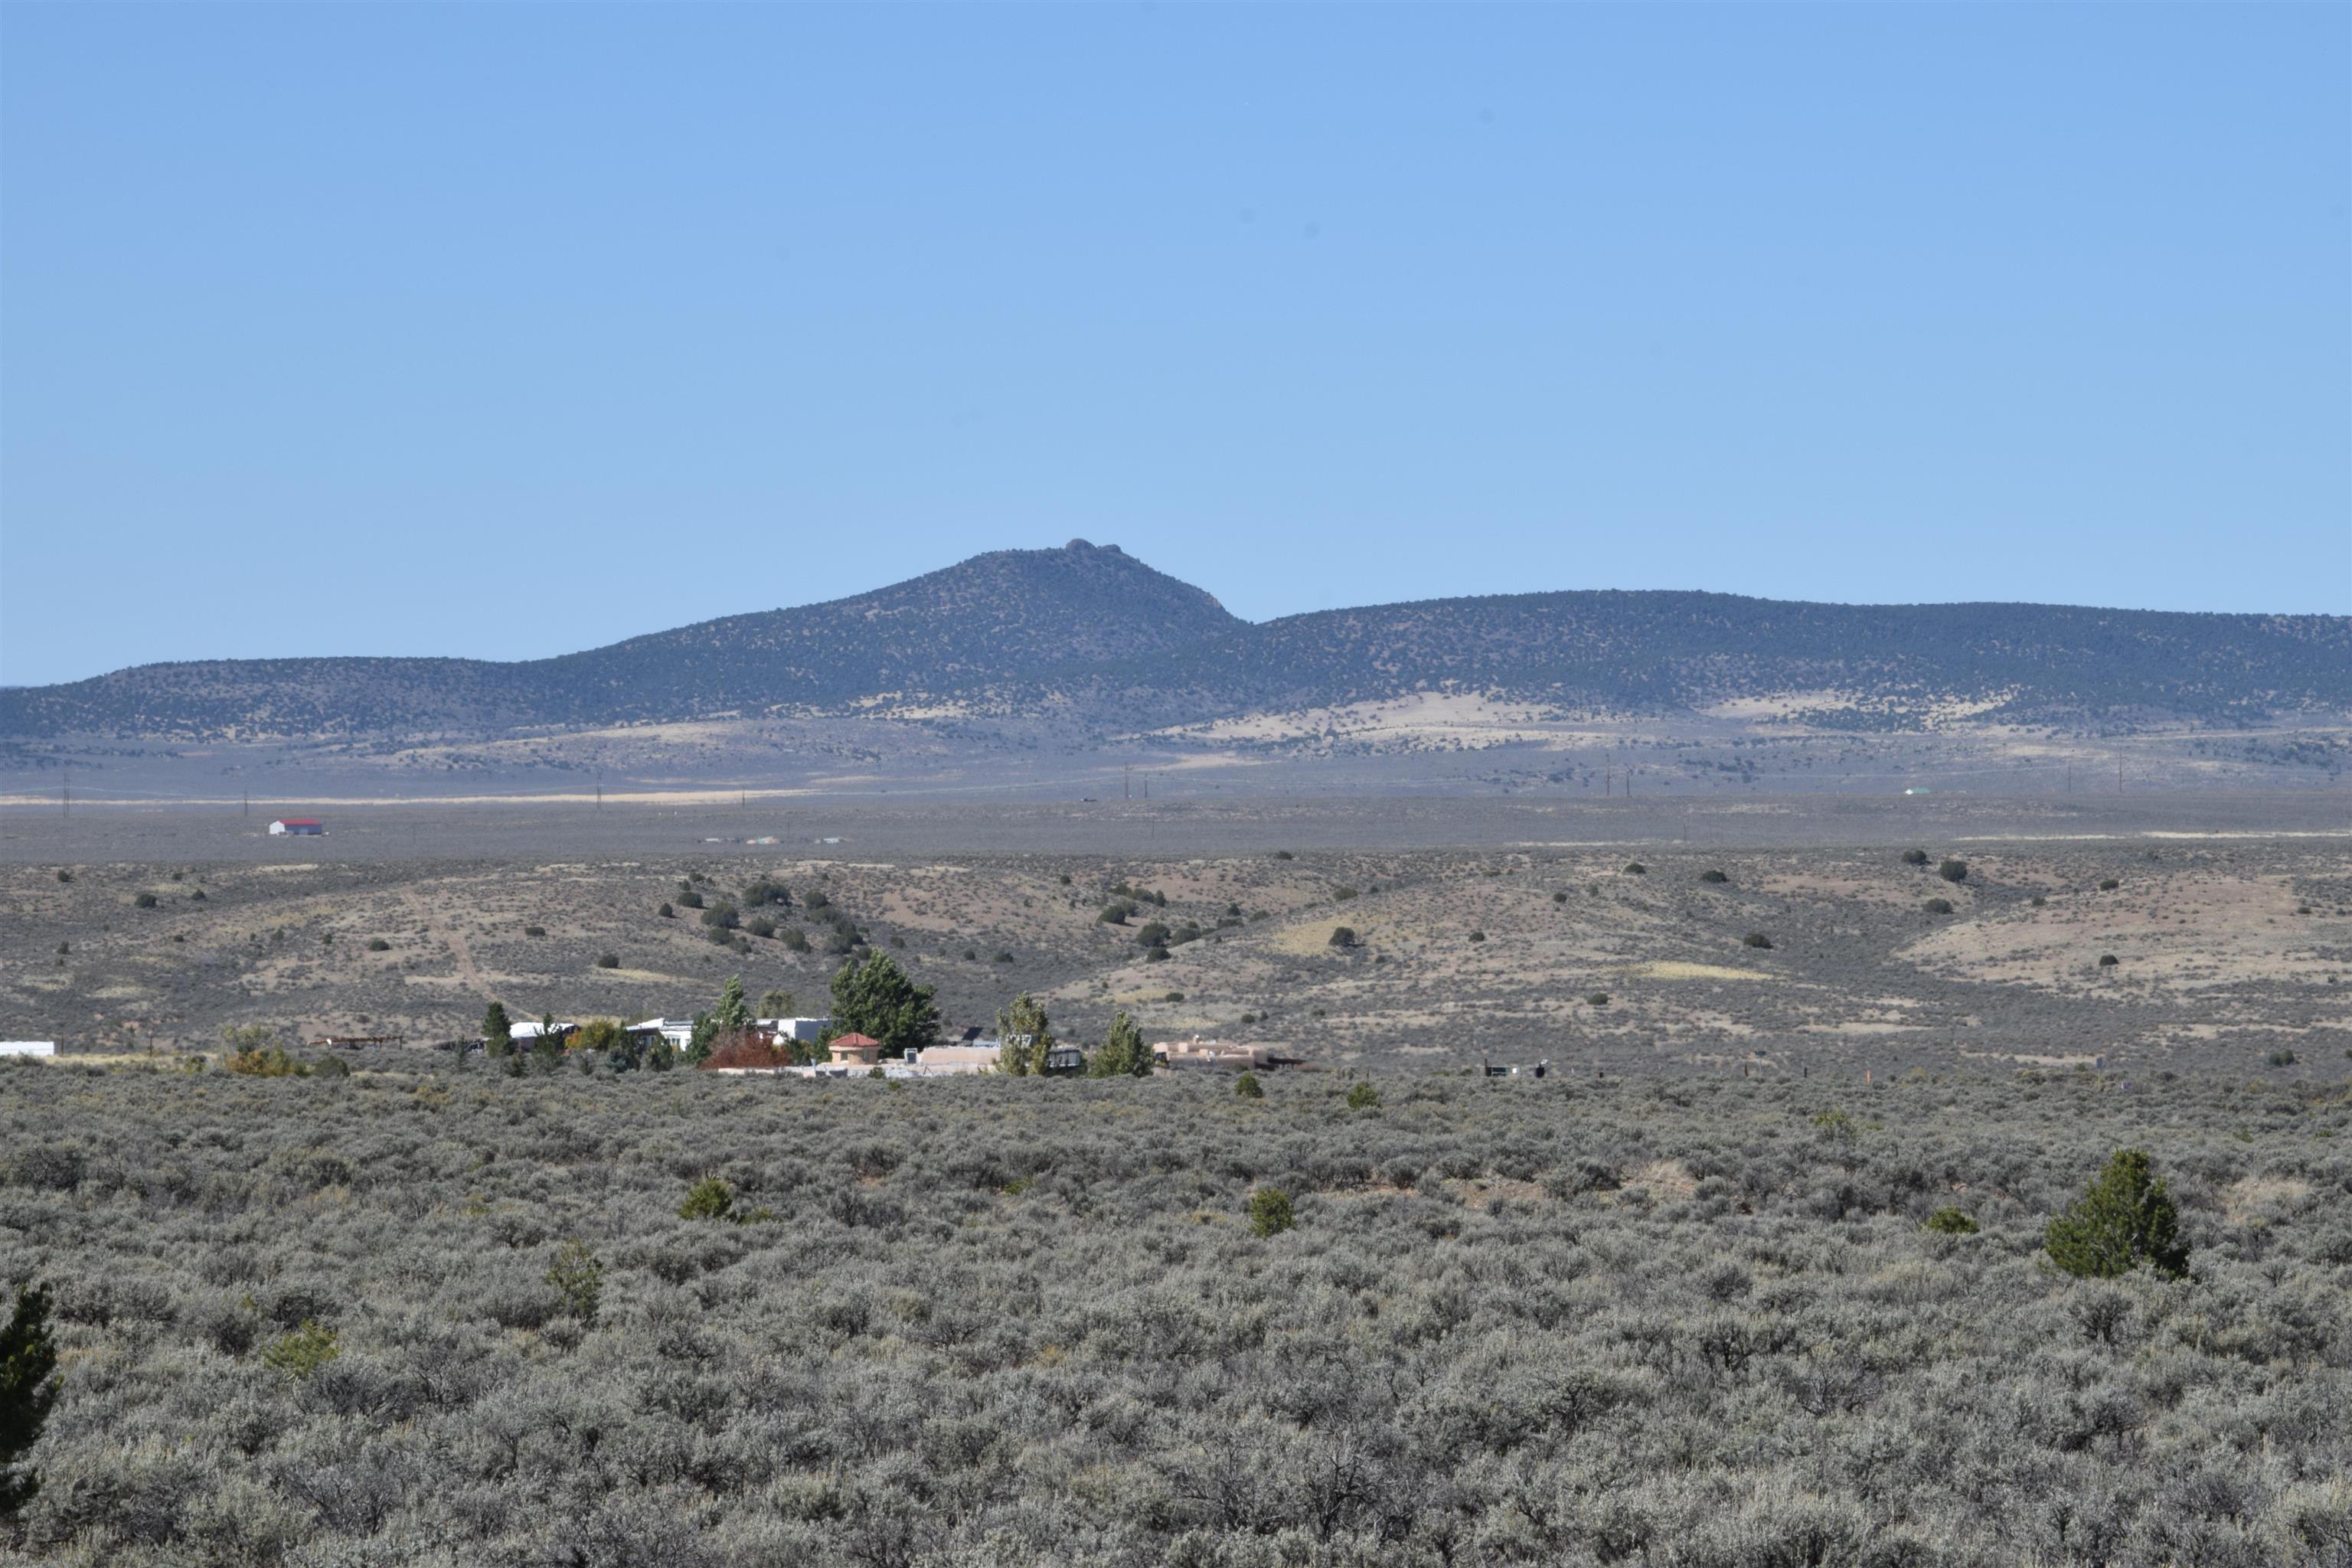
column 28, row 1048
column 855, row 1051
column 298, row 827
column 678, row 1032
column 525, row 1032
column 1063, row 1062
column 807, row 1031
column 948, row 1062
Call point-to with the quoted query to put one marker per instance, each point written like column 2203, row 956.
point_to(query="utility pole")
column 248, row 803
column 1127, row 781
column 600, row 789
column 65, row 791
column 2119, row 775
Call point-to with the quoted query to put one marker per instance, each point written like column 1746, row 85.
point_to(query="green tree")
column 1247, row 1087
column 301, row 1353
column 1951, row 1220
column 705, row 1035
column 1269, row 1212
column 27, row 1389
column 734, row 1014
column 547, row 1051
column 579, row 1276
column 2125, row 1219
column 498, row 1034
column 1363, row 1096
column 1027, row 1035
column 876, row 999
column 1123, row 1052
column 707, row 1199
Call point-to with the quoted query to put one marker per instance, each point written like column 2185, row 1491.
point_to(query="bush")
column 144, row 902
column 2109, row 884
column 2106, row 960
column 1635, row 869
column 1559, row 898
column 377, row 944
column 534, row 931
column 1270, row 1212
column 1915, row 857
column 708, row 1198
column 1478, row 936
column 2125, row 1219
column 1756, row 939
column 1951, row 1220
column 579, row 1278
column 1342, row 894
column 1940, row 906
column 1596, row 999
column 255, row 1062
column 1247, row 1087
column 608, row 960
column 1279, row 855
column 1363, row 1096
column 2281, row 1057
column 27, row 1391
column 332, row 1067
column 1953, row 871
column 794, row 939
column 761, row 926
column 689, row 898
column 667, row 913
column 1712, row 877
column 1343, row 936
column 301, row 1353
column 65, row 875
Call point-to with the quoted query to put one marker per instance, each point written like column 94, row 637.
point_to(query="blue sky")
column 507, row 330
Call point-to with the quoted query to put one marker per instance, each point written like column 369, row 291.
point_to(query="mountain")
column 1012, row 618
column 1851, row 665
column 1090, row 635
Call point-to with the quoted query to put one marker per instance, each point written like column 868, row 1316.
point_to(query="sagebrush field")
column 423, row 1315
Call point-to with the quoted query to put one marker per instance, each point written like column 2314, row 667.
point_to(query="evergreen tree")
column 26, row 1391
column 1123, row 1053
column 1027, row 1035
column 876, row 999
column 498, row 1034
column 2125, row 1219
column 734, row 1014
column 705, row 1035
column 547, row 1051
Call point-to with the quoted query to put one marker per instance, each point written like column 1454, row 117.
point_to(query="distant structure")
column 1197, row 1054
column 28, row 1048
column 678, row 1032
column 855, row 1051
column 1918, row 789
column 298, row 827
column 805, row 1030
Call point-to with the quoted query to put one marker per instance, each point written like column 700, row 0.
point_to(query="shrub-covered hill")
column 1844, row 666
column 1092, row 640
column 1012, row 618
column 422, row 1318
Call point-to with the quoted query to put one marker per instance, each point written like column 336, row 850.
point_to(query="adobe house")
column 855, row 1051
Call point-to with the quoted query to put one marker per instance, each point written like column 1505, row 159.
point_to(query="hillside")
column 1091, row 638
column 1846, row 666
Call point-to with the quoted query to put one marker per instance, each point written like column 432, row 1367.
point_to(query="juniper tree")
column 1026, row 1033
column 2125, row 1219
column 28, row 1390
column 498, row 1034
column 876, row 999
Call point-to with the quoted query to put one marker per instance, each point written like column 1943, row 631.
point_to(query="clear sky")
column 506, row 331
